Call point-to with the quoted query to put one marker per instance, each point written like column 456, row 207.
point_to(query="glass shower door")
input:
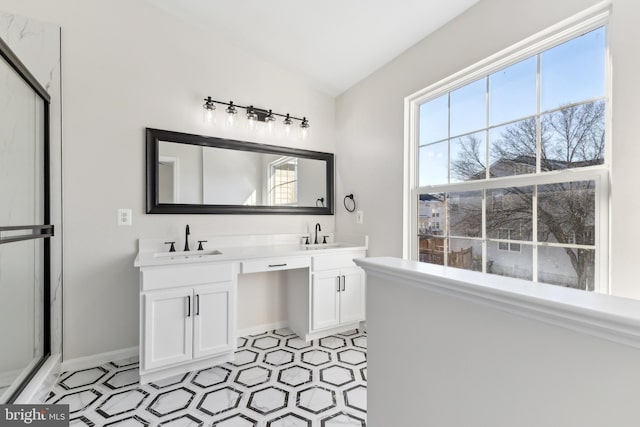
column 24, row 225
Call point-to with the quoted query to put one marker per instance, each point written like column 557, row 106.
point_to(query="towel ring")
column 353, row 202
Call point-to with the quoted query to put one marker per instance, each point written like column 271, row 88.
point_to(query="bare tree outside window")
column 571, row 137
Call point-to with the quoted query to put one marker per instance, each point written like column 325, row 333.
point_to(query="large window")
column 510, row 167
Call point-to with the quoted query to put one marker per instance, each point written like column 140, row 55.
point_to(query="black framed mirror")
column 193, row 174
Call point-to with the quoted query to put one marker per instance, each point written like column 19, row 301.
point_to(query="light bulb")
column 231, row 114
column 270, row 119
column 287, row 124
column 208, row 107
column 251, row 114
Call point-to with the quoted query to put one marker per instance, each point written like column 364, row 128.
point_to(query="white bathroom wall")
column 128, row 66
column 369, row 124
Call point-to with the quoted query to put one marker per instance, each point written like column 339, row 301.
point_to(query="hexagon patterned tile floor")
column 277, row 380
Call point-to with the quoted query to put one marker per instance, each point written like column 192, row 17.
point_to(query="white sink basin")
column 187, row 255
column 323, row 246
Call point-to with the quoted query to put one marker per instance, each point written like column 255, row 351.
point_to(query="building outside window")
column 513, row 154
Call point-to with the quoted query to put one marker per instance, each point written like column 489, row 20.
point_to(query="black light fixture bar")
column 261, row 112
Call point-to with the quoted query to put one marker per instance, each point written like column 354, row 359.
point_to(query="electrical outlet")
column 359, row 217
column 124, row 217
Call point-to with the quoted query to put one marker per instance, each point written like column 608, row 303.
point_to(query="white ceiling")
column 334, row 43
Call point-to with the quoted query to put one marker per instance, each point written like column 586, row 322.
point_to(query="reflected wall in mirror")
column 200, row 174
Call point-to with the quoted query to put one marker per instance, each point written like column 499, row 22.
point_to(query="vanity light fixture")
column 255, row 114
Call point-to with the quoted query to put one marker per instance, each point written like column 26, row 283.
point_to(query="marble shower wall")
column 37, row 45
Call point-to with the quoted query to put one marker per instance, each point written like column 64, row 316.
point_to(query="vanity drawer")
column 274, row 264
column 333, row 261
column 185, row 275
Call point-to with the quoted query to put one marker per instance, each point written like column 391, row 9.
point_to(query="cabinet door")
column 168, row 327
column 214, row 315
column 352, row 301
column 325, row 300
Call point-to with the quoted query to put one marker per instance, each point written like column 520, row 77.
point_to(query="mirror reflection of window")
column 283, row 181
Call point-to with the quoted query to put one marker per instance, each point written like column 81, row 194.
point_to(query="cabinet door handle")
column 188, row 305
column 338, row 277
column 277, row 265
column 197, row 304
column 343, row 285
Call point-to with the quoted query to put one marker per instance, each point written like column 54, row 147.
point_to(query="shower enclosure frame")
column 35, row 231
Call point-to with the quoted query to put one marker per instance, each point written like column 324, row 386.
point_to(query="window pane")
column 513, row 263
column 510, row 213
column 512, row 92
column 465, row 253
column 573, row 268
column 573, row 137
column 566, row 212
column 573, row 71
column 434, row 120
column 465, row 214
column 433, row 164
column 431, row 228
column 468, row 157
column 468, row 108
column 513, row 149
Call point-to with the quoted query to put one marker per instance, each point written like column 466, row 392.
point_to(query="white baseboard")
column 98, row 359
column 254, row 330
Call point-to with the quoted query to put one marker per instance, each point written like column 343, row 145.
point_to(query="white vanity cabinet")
column 335, row 295
column 188, row 300
column 187, row 318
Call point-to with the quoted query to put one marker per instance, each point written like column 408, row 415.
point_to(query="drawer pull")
column 188, row 305
column 278, row 265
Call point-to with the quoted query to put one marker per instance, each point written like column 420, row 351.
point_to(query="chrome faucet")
column 315, row 241
column 186, row 239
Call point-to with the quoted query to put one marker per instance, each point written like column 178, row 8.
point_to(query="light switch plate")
column 124, row 217
column 359, row 217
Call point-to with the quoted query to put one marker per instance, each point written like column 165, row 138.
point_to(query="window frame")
column 588, row 20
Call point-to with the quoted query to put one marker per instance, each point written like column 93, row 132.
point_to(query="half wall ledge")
column 604, row 316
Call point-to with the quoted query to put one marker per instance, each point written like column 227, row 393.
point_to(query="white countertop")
column 611, row 317
column 153, row 252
